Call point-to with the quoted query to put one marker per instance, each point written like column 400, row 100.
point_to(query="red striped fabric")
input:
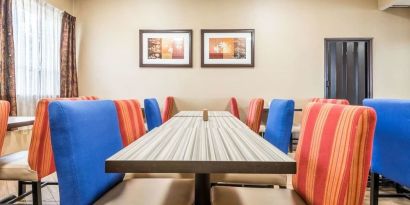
column 234, row 107
column 332, row 101
column 4, row 116
column 40, row 153
column 254, row 116
column 168, row 108
column 333, row 154
column 130, row 120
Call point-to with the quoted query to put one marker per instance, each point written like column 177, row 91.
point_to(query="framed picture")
column 165, row 48
column 228, row 48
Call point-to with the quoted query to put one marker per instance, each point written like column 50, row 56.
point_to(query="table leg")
column 202, row 189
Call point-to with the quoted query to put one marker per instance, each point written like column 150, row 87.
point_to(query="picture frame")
column 228, row 48
column 165, row 48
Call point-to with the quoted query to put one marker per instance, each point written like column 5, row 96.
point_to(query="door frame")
column 369, row 73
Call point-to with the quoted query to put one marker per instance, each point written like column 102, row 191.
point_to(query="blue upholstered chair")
column 279, row 123
column 83, row 135
column 152, row 113
column 391, row 154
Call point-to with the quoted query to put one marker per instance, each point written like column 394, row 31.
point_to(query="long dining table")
column 19, row 121
column 188, row 144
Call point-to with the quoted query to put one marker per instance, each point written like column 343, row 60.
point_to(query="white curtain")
column 37, row 33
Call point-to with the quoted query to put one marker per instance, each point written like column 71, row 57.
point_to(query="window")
column 37, row 33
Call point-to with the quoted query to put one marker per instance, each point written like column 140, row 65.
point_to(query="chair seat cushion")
column 159, row 175
column 223, row 195
column 15, row 167
column 151, row 192
column 250, row 179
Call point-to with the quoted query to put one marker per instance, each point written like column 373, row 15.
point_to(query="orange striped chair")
column 40, row 154
column 38, row 161
column 234, row 107
column 130, row 119
column 317, row 100
column 168, row 108
column 253, row 119
column 332, row 101
column 333, row 160
column 4, row 116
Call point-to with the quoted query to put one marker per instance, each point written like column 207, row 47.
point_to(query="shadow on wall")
column 400, row 12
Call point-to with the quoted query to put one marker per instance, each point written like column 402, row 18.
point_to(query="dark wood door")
column 348, row 71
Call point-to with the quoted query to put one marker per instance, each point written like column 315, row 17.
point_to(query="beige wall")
column 65, row 5
column 289, row 48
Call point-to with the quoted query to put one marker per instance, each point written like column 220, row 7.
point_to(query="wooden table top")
column 199, row 114
column 190, row 145
column 197, row 122
column 19, row 121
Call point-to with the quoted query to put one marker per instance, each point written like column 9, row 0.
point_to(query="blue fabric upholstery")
column 83, row 135
column 391, row 153
column 152, row 113
column 279, row 123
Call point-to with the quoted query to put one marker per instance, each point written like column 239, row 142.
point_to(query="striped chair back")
column 4, row 116
column 233, row 104
column 332, row 101
column 253, row 120
column 130, row 120
column 168, row 108
column 333, row 154
column 40, row 153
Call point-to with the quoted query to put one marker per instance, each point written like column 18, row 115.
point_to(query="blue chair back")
column 279, row 124
column 83, row 135
column 152, row 113
column 391, row 153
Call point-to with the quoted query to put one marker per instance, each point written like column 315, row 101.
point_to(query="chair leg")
column 36, row 187
column 291, row 143
column 374, row 189
column 21, row 188
column 399, row 189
